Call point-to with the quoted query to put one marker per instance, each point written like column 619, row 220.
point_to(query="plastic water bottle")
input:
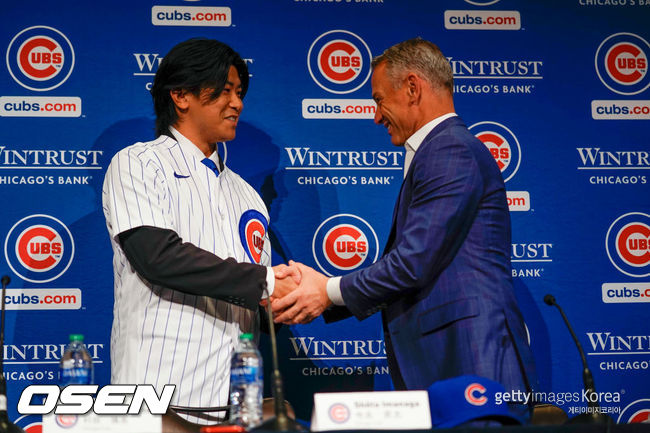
column 76, row 365
column 246, row 383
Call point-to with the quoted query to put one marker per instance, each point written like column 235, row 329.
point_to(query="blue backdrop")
column 558, row 90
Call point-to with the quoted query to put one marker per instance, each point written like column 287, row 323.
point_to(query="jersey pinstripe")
column 159, row 335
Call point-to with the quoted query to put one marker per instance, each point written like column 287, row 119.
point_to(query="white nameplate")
column 93, row 423
column 378, row 410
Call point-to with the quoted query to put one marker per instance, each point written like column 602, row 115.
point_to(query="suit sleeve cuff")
column 270, row 281
column 334, row 291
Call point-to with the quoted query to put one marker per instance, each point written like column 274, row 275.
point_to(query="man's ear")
column 179, row 97
column 413, row 87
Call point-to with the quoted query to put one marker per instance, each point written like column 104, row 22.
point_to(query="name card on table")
column 93, row 423
column 378, row 410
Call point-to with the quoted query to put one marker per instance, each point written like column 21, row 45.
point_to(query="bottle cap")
column 76, row 337
column 247, row 336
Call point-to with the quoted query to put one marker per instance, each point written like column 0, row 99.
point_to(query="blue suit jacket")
column 444, row 282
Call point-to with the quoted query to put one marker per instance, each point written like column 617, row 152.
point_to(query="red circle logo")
column 345, row 246
column 470, row 394
column 642, row 416
column 340, row 61
column 40, row 58
column 255, row 239
column 502, row 144
column 633, row 244
column 39, row 248
column 339, row 413
column 66, row 421
column 626, row 63
column 498, row 147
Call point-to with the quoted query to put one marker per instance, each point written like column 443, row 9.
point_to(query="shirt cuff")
column 334, row 291
column 270, row 281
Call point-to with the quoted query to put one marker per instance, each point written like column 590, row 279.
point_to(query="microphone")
column 595, row 416
column 5, row 424
column 281, row 421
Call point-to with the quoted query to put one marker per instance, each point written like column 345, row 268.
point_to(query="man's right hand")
column 287, row 279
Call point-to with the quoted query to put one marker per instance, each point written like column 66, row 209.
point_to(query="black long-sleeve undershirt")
column 161, row 257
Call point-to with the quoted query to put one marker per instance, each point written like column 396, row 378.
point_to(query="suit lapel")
column 393, row 228
column 409, row 176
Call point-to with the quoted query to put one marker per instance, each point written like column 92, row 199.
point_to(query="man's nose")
column 378, row 117
column 236, row 102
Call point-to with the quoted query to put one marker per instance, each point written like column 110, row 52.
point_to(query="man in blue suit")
column 444, row 282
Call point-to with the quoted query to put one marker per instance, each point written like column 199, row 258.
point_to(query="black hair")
column 193, row 65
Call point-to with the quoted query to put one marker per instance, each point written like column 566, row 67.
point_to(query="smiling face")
column 392, row 106
column 206, row 121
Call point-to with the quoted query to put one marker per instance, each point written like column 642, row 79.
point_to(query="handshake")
column 300, row 294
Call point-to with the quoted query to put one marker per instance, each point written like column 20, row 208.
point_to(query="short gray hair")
column 419, row 56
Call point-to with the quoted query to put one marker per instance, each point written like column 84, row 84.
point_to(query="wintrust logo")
column 528, row 259
column 42, row 163
column 488, row 76
column 37, row 362
column 620, row 352
column 614, row 167
column 359, row 357
column 348, row 163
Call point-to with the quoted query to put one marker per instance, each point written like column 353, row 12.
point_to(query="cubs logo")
column 339, row 413
column 471, row 394
column 39, row 248
column 252, row 231
column 30, row 423
column 40, row 58
column 339, row 61
column 344, row 243
column 502, row 144
column 628, row 244
column 66, row 421
column 622, row 63
column 636, row 412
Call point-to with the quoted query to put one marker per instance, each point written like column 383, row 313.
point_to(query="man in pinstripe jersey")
column 189, row 236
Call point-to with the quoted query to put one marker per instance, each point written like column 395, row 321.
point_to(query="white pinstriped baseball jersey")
column 162, row 336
